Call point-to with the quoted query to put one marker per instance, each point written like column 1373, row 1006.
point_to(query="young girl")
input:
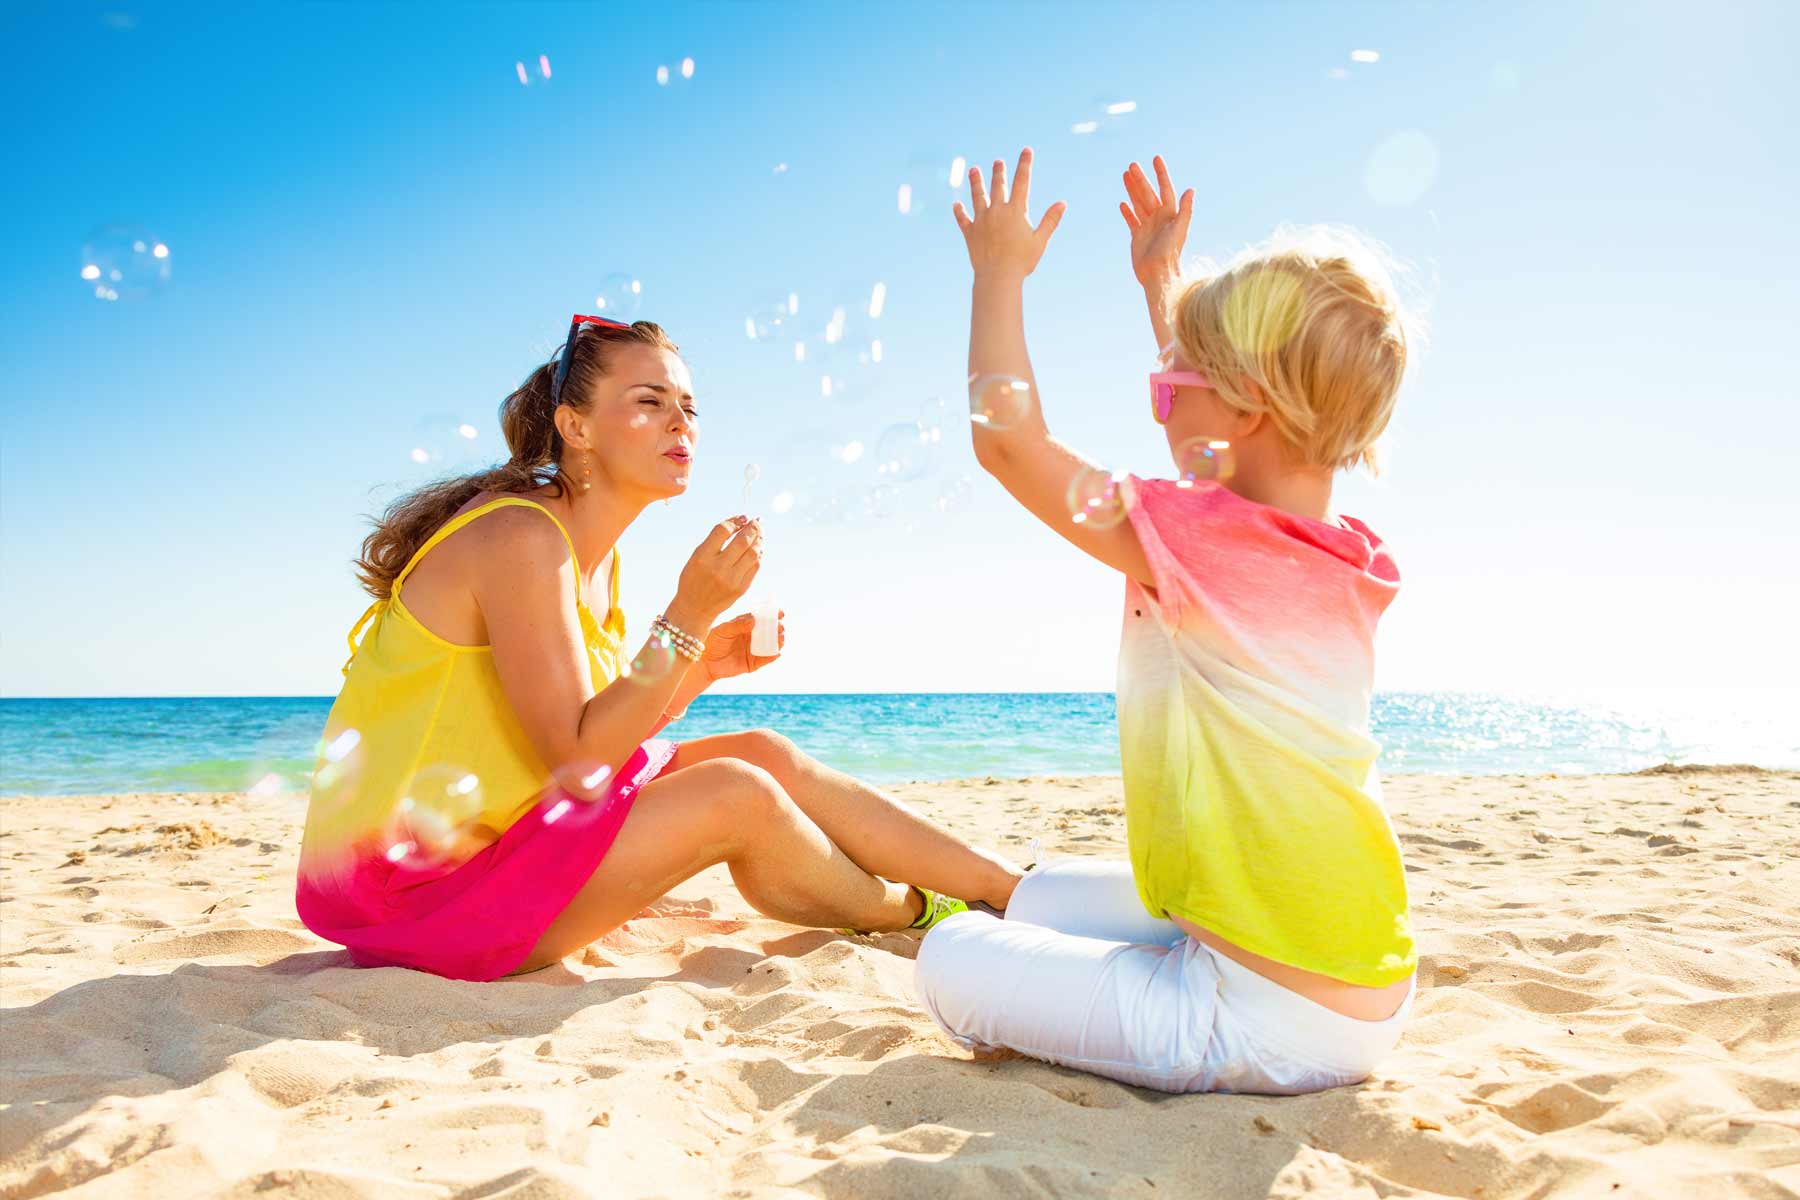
column 1259, row 940
column 492, row 793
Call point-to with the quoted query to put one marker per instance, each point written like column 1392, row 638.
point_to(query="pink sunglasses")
column 1162, row 390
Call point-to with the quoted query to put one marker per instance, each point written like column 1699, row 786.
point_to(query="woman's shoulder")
column 512, row 534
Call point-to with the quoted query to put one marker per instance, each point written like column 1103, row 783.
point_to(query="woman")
column 492, row 794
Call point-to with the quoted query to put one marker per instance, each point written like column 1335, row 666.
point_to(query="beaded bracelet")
column 679, row 635
column 685, row 649
column 680, row 648
column 684, row 644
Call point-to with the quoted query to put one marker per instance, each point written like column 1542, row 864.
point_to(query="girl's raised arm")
column 1012, row 442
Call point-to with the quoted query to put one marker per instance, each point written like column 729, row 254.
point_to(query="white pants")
column 1079, row 974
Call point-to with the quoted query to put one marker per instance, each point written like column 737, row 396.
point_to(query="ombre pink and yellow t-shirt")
column 1252, row 803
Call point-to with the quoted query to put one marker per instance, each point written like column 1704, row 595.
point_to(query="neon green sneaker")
column 936, row 907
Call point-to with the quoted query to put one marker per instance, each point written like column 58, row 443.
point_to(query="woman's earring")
column 587, row 471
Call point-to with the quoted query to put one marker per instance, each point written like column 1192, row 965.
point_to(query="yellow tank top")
column 419, row 713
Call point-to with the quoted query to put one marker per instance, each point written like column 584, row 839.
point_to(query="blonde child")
column 1259, row 939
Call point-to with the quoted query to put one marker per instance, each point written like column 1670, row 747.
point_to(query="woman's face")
column 643, row 425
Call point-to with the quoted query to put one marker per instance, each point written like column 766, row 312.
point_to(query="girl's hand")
column 727, row 650
column 999, row 235
column 719, row 572
column 1158, row 224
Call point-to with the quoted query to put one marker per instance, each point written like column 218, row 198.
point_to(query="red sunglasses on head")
column 562, row 364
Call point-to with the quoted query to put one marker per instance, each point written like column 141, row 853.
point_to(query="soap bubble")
column 850, row 340
column 751, row 474
column 442, row 441
column 782, row 502
column 1103, row 115
column 1094, row 499
column 999, row 401
column 655, row 663
column 954, row 495
column 340, row 759
column 1203, row 460
column 1401, row 168
column 662, row 76
column 884, row 500
column 120, row 262
column 620, row 297
column 937, row 414
column 843, row 506
column 773, row 320
column 440, row 806
column 928, row 176
column 903, row 452
column 583, row 778
column 835, row 326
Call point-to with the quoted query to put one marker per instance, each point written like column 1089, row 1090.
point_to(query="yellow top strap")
column 368, row 615
column 613, row 590
column 457, row 522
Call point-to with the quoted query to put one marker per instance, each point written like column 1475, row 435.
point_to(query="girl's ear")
column 1248, row 423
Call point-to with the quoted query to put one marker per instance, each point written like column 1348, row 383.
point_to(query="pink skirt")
column 479, row 919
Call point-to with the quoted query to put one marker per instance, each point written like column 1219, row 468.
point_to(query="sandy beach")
column 1609, row 1006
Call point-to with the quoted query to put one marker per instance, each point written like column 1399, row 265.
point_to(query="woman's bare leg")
column 880, row 834
column 724, row 810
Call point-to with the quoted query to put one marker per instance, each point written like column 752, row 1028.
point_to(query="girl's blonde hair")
column 1312, row 317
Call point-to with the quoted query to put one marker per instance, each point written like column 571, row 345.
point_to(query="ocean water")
column 71, row 747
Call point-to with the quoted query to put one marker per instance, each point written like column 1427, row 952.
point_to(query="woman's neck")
column 595, row 520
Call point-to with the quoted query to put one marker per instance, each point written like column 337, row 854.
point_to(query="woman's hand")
column 1000, row 237
column 1158, row 224
column 727, row 650
column 718, row 573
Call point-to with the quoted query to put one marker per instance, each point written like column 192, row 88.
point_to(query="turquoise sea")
column 71, row 747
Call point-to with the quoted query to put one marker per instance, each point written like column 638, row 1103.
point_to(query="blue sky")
column 376, row 231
